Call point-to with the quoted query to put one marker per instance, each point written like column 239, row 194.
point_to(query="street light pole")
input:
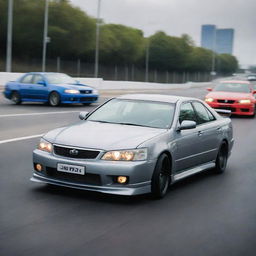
column 96, row 69
column 45, row 34
column 9, row 37
column 213, row 54
column 147, row 60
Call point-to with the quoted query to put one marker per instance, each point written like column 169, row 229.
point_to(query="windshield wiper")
column 100, row 121
column 135, row 124
column 107, row 122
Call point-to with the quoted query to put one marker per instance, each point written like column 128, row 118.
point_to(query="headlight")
column 126, row 155
column 245, row 101
column 72, row 91
column 45, row 146
column 209, row 99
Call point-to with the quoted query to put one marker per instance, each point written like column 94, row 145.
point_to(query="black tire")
column 161, row 177
column 16, row 98
column 222, row 158
column 54, row 99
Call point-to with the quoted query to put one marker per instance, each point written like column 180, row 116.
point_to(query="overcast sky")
column 176, row 17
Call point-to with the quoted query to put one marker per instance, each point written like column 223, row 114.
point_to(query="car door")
column 209, row 133
column 25, row 85
column 188, row 148
column 39, row 91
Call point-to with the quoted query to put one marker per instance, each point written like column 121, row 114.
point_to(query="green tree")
column 199, row 59
column 167, row 52
column 226, row 63
column 71, row 30
column 120, row 44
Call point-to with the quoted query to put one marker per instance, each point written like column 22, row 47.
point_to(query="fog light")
column 39, row 167
column 121, row 179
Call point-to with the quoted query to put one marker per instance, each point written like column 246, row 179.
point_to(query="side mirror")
column 42, row 82
column 209, row 89
column 83, row 115
column 186, row 125
column 223, row 112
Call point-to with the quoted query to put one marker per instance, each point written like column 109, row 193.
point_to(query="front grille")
column 79, row 153
column 228, row 108
column 85, row 91
column 245, row 110
column 88, row 178
column 226, row 101
column 88, row 99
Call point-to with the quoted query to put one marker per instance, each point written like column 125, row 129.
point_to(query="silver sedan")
column 135, row 144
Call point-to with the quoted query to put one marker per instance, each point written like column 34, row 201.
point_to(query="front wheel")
column 161, row 177
column 54, row 99
column 222, row 158
column 254, row 113
column 16, row 98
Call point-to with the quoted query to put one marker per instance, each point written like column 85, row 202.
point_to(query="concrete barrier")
column 101, row 84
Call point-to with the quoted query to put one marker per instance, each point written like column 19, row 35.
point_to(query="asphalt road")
column 206, row 214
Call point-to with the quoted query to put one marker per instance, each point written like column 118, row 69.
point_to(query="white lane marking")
column 21, row 138
column 39, row 113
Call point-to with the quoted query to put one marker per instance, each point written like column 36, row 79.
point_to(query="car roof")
column 155, row 97
column 235, row 81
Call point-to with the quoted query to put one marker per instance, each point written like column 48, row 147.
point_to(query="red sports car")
column 237, row 96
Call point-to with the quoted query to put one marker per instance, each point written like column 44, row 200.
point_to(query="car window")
column 187, row 113
column 37, row 78
column 203, row 114
column 26, row 79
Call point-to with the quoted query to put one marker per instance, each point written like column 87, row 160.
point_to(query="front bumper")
column 235, row 108
column 100, row 175
column 7, row 94
column 79, row 98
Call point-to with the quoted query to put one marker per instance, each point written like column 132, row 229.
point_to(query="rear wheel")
column 161, row 177
column 16, row 98
column 222, row 158
column 54, row 99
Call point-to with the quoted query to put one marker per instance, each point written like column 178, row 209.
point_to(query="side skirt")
column 194, row 170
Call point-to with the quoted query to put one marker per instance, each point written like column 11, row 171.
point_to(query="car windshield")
column 135, row 112
column 233, row 87
column 59, row 79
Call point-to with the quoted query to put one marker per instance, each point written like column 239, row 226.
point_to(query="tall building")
column 208, row 34
column 218, row 40
column 224, row 40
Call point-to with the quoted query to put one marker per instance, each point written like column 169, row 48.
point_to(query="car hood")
column 105, row 136
column 228, row 95
column 75, row 86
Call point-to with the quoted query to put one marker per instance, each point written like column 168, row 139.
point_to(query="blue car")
column 52, row 88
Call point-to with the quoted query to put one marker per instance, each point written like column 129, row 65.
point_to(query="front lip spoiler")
column 133, row 189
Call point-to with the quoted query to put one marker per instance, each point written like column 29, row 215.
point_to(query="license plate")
column 76, row 169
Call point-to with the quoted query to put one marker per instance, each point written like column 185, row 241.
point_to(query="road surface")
column 204, row 215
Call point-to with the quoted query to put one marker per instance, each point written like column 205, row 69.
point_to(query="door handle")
column 218, row 129
column 200, row 133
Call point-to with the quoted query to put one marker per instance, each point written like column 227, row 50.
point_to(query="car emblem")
column 73, row 152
